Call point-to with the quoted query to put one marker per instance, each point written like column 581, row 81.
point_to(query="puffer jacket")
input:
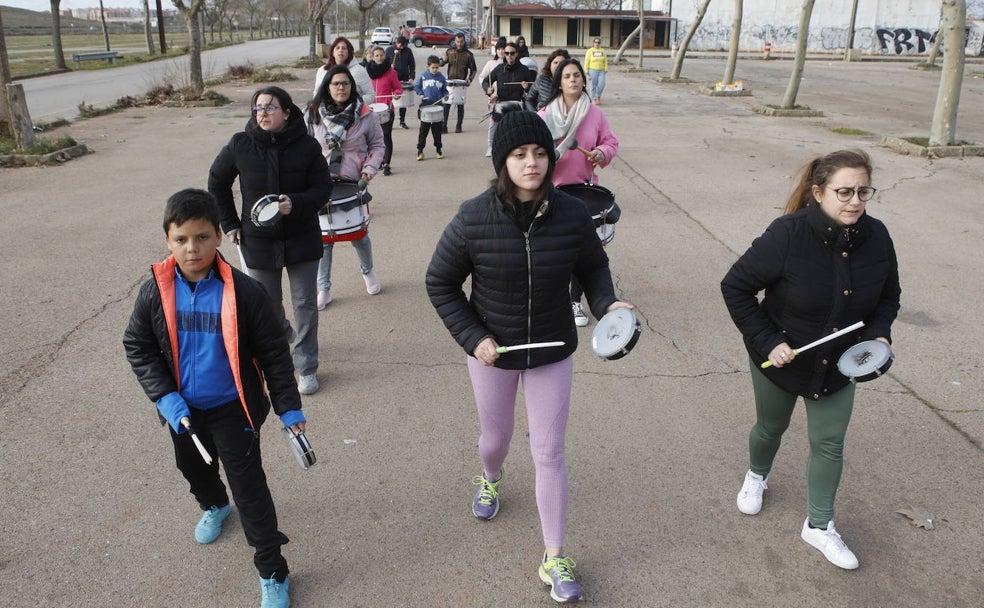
column 520, row 277
column 818, row 277
column 287, row 162
column 539, row 93
column 253, row 338
column 403, row 63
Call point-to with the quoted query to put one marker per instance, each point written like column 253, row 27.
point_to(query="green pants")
column 826, row 424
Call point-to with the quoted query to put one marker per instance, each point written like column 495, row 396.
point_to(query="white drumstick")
column 836, row 334
column 198, row 444
column 506, row 349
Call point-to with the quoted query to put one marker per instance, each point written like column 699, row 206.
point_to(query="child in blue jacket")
column 432, row 87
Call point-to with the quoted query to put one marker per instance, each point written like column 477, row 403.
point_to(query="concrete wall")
column 882, row 27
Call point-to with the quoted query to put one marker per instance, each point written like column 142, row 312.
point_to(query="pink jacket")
column 387, row 87
column 363, row 148
column 594, row 132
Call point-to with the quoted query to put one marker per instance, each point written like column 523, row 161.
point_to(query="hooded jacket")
column 520, row 276
column 286, row 162
column 818, row 277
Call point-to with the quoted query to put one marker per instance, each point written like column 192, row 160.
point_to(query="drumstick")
column 838, row 334
column 198, row 444
column 506, row 349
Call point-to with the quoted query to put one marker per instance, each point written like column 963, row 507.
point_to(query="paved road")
column 94, row 513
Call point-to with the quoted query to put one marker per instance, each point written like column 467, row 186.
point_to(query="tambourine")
column 616, row 333
column 266, row 211
column 866, row 360
column 302, row 449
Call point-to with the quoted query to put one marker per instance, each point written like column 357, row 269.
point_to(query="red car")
column 431, row 35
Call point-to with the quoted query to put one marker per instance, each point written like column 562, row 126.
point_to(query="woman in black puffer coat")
column 824, row 265
column 520, row 251
column 275, row 155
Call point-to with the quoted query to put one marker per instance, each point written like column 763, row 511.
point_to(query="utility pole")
column 850, row 31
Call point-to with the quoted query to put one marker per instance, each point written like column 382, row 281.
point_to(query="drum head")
column 266, row 211
column 866, row 360
column 301, row 448
column 616, row 333
column 599, row 200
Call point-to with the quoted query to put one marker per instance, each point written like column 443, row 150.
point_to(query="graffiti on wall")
column 905, row 41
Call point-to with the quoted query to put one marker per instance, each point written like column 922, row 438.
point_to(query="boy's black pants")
column 435, row 129
column 225, row 432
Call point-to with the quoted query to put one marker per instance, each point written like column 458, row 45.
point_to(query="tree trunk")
column 789, row 100
column 192, row 13
column 678, row 62
column 102, row 18
column 625, row 45
column 934, row 50
column 5, row 125
column 944, row 128
column 729, row 70
column 148, row 31
column 850, row 31
column 642, row 31
column 56, row 41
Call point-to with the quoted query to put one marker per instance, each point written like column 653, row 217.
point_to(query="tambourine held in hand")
column 266, row 211
column 616, row 334
column 301, row 448
column 866, row 360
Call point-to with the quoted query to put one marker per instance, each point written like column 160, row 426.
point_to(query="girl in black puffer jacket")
column 520, row 241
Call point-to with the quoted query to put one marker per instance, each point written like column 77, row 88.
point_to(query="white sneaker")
column 308, row 385
column 830, row 543
column 324, row 299
column 580, row 319
column 372, row 283
column 750, row 495
column 488, row 152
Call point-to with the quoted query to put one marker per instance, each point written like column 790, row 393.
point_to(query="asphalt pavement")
column 95, row 514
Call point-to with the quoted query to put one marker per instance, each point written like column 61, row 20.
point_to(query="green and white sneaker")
column 486, row 503
column 558, row 572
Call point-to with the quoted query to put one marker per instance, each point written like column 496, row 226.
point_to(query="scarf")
column 337, row 126
column 563, row 124
column 376, row 70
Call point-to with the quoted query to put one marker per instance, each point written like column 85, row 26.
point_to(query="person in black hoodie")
column 401, row 57
column 275, row 155
column 519, row 242
column 824, row 265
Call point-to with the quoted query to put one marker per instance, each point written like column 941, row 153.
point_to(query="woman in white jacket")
column 342, row 53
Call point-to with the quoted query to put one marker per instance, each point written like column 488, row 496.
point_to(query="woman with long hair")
column 823, row 266
column 387, row 87
column 539, row 93
column 352, row 142
column 341, row 52
column 519, row 242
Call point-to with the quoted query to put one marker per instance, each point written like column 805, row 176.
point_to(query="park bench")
column 78, row 58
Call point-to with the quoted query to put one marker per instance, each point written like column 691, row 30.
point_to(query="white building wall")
column 882, row 27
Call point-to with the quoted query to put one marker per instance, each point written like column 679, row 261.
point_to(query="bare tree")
column 148, row 32
column 6, row 128
column 102, row 18
column 56, row 41
column 729, row 69
column 682, row 51
column 934, row 50
column 316, row 9
column 944, row 129
column 253, row 9
column 191, row 12
column 789, row 100
column 364, row 7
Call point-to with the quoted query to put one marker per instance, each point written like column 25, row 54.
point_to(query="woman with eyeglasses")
column 823, row 266
column 596, row 63
column 275, row 155
column 341, row 52
column 352, row 141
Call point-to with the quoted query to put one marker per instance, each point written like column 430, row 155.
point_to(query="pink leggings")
column 548, row 401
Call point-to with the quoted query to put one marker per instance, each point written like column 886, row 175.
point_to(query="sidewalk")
column 96, row 515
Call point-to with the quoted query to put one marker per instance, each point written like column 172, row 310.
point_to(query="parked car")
column 471, row 39
column 381, row 35
column 431, row 35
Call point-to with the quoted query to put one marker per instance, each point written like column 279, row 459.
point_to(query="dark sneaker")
column 210, row 525
column 275, row 595
column 386, row 170
column 404, row 125
column 486, row 503
column 457, row 129
column 558, row 572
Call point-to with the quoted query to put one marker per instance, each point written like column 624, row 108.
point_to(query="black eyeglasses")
column 509, row 53
column 343, row 84
column 267, row 109
column 845, row 195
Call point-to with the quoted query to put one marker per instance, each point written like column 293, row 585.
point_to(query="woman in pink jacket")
column 576, row 123
column 386, row 84
column 352, row 142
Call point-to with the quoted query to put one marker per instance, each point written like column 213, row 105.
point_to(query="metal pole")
column 850, row 31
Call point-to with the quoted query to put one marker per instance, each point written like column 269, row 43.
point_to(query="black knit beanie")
column 518, row 128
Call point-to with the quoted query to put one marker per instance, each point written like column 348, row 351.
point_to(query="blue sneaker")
column 210, row 525
column 486, row 503
column 558, row 572
column 275, row 594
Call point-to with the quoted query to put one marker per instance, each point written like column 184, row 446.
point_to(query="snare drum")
column 432, row 114
column 600, row 202
column 382, row 111
column 405, row 100
column 866, row 360
column 266, row 211
column 457, row 91
column 346, row 216
column 616, row 334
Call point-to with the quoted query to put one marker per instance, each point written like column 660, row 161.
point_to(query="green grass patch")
column 44, row 146
column 306, row 63
column 779, row 107
column 850, row 131
column 265, row 75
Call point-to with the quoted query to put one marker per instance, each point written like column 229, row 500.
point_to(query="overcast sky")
column 45, row 5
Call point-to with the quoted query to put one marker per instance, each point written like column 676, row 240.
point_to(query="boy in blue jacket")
column 202, row 340
column 432, row 87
